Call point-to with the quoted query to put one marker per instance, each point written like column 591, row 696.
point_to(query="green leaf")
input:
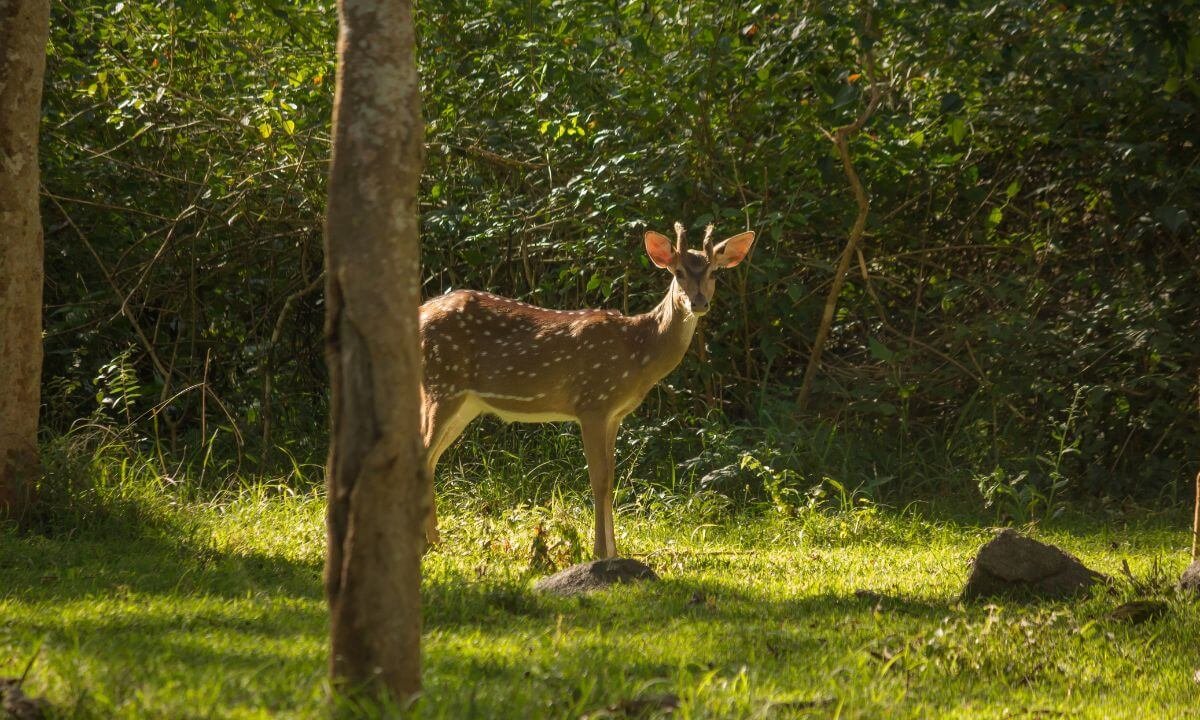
column 1013, row 188
column 264, row 129
column 1172, row 218
column 846, row 95
column 879, row 351
column 995, row 216
column 958, row 130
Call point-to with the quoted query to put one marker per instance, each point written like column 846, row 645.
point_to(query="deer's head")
column 693, row 284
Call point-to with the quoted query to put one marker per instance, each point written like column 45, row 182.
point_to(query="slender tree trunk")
column 376, row 482
column 24, row 27
column 1196, row 522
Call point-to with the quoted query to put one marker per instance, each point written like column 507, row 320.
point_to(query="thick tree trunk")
column 24, row 27
column 375, row 479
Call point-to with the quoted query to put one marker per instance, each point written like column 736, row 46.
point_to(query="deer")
column 488, row 354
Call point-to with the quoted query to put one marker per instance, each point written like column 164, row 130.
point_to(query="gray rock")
column 1013, row 565
column 595, row 575
column 1191, row 577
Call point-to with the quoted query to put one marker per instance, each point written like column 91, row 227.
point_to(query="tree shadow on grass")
column 40, row 569
column 576, row 654
column 125, row 618
column 458, row 601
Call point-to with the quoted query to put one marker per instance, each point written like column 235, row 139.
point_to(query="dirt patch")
column 1013, row 565
column 595, row 575
column 1191, row 577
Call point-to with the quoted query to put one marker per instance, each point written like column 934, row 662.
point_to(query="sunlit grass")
column 214, row 609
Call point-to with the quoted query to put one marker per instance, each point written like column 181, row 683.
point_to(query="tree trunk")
column 1196, row 523
column 376, row 484
column 24, row 27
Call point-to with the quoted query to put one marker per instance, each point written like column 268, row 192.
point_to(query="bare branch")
column 841, row 140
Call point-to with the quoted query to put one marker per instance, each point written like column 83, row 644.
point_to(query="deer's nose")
column 699, row 304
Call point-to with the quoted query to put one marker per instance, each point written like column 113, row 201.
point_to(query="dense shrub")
column 1026, row 299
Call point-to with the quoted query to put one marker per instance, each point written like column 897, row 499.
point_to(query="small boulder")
column 1191, row 577
column 595, row 575
column 1014, row 565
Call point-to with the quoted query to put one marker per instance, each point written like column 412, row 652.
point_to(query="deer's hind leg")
column 442, row 421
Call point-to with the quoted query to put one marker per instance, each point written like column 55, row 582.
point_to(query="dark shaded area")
column 19, row 706
column 640, row 707
column 38, row 568
column 1013, row 565
column 1136, row 612
column 595, row 575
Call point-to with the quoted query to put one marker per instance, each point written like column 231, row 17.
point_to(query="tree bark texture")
column 376, row 485
column 1196, row 522
column 24, row 27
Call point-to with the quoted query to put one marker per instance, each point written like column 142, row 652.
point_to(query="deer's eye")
column 679, row 274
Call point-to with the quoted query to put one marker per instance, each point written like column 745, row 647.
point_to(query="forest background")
column 1020, row 325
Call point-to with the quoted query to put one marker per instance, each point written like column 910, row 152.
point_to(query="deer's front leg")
column 599, row 445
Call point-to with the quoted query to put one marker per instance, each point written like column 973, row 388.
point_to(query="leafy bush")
column 1032, row 175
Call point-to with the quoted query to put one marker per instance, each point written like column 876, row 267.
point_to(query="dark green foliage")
column 1032, row 303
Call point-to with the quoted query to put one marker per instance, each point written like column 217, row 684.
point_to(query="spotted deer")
column 489, row 354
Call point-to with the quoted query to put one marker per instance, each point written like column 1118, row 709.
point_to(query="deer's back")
column 525, row 362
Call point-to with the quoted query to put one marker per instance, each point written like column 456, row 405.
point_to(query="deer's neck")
column 671, row 328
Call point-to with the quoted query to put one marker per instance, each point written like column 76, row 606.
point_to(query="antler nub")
column 678, row 238
column 708, row 243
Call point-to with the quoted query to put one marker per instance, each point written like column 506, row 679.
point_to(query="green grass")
column 214, row 609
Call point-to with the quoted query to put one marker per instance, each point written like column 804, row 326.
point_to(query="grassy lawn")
column 215, row 610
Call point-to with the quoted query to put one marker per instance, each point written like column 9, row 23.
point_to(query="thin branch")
column 841, row 140
column 478, row 153
column 862, row 265
column 137, row 328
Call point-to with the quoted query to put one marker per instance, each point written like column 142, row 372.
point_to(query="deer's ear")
column 733, row 250
column 660, row 250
